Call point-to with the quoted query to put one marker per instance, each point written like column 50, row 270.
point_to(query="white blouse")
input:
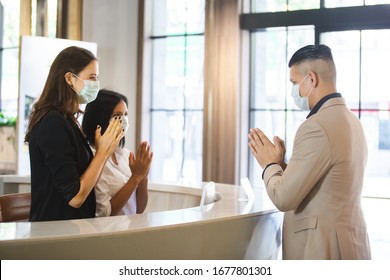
column 113, row 178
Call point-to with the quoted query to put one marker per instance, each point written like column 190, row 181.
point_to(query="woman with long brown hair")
column 63, row 168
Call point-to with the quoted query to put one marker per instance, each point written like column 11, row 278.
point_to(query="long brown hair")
column 57, row 94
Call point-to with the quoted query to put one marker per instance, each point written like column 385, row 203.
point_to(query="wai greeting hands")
column 140, row 163
column 264, row 150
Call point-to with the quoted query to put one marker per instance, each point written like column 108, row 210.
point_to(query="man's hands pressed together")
column 264, row 150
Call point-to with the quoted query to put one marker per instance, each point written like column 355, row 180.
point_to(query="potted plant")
column 7, row 143
column 6, row 120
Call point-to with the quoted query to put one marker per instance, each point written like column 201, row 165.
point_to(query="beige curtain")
column 69, row 13
column 25, row 17
column 221, row 91
column 69, row 19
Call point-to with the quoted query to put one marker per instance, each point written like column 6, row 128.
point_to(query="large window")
column 9, row 47
column 358, row 33
column 43, row 21
column 9, row 54
column 176, row 97
column 363, row 57
column 271, row 106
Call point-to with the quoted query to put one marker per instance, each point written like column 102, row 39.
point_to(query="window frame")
column 323, row 19
column 146, row 108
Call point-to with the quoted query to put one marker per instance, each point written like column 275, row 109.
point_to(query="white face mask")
column 89, row 91
column 301, row 102
column 125, row 123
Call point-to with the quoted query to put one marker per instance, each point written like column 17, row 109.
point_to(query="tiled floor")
column 377, row 212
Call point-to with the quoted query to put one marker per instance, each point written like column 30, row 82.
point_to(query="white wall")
column 113, row 25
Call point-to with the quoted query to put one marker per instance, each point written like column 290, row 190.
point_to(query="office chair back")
column 15, row 207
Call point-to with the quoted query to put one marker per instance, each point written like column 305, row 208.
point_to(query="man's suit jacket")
column 320, row 190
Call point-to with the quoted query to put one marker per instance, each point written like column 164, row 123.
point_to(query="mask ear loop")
column 300, row 85
column 77, row 77
column 310, row 91
column 303, row 79
column 299, row 91
column 68, row 79
column 312, row 86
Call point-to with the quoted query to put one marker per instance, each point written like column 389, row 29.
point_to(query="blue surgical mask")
column 301, row 102
column 89, row 91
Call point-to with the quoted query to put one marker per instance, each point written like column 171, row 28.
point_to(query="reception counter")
column 174, row 226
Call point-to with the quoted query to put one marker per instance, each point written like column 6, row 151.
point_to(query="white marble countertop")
column 233, row 203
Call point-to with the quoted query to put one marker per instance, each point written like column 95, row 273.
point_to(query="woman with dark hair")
column 122, row 188
column 63, row 168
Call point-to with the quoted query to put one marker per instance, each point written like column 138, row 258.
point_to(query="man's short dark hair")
column 311, row 52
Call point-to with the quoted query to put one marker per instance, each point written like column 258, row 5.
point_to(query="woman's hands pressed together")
column 140, row 163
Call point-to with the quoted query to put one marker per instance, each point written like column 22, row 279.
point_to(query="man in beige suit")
column 320, row 188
